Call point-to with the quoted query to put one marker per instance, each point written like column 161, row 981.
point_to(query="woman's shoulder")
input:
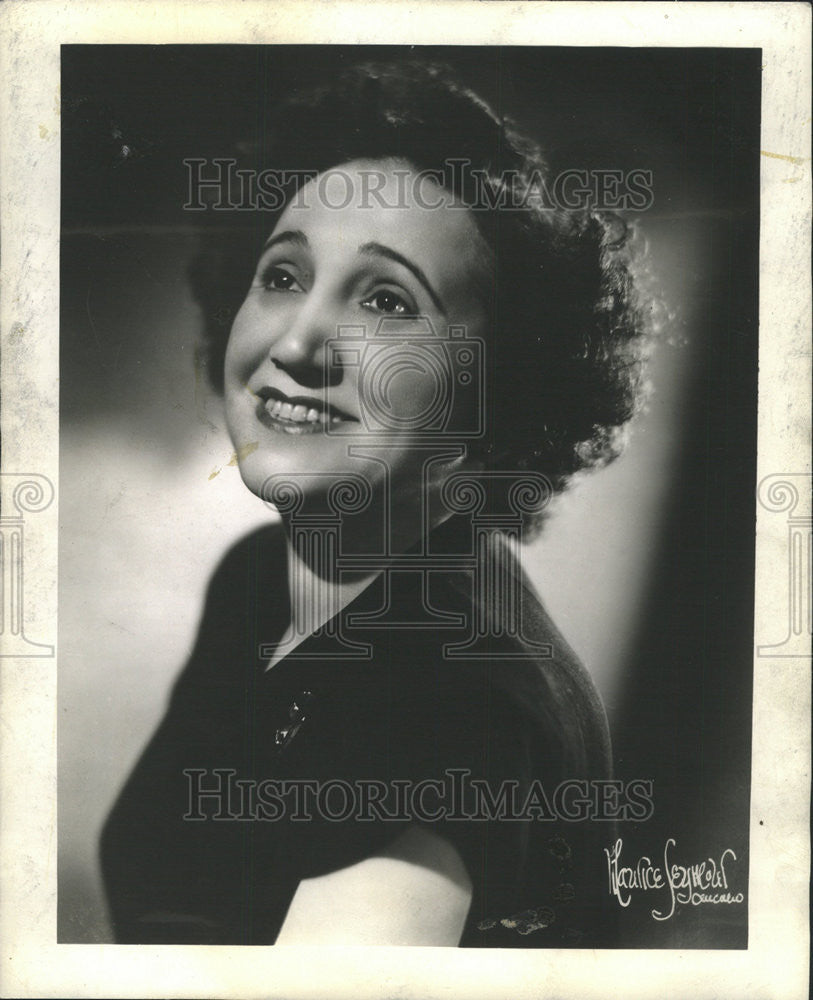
column 244, row 605
column 261, row 549
column 512, row 661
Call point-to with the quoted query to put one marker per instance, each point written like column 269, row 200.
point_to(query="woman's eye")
column 388, row 302
column 277, row 279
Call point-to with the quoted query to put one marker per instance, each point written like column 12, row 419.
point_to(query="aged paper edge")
column 31, row 963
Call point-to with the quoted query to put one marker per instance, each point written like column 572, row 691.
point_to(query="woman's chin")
column 282, row 479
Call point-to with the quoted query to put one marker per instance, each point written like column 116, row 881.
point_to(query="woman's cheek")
column 402, row 392
column 244, row 348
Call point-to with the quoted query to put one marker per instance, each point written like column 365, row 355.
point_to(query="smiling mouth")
column 297, row 414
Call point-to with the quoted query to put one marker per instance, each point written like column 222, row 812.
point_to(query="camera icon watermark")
column 411, row 378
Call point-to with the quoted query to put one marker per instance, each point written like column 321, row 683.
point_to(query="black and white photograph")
column 479, row 331
column 409, row 439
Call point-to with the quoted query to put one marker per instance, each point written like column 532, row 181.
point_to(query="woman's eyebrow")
column 288, row 236
column 382, row 251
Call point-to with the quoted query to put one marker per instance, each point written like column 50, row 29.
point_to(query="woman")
column 380, row 736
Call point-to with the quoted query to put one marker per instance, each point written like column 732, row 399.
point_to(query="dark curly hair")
column 569, row 320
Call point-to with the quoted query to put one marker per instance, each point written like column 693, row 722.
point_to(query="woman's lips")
column 297, row 414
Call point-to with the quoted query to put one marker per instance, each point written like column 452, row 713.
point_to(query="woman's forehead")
column 375, row 200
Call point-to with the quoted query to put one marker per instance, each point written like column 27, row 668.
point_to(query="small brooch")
column 297, row 714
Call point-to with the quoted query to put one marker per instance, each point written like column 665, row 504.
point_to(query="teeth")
column 299, row 414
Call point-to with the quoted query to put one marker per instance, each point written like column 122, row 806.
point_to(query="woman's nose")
column 301, row 349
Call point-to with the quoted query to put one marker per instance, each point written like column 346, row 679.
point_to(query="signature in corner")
column 706, row 882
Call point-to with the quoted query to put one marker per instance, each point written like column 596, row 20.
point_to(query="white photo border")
column 32, row 964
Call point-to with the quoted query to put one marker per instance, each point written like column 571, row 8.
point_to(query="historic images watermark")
column 219, row 794
column 20, row 494
column 221, row 185
column 443, row 413
column 449, row 363
column 789, row 493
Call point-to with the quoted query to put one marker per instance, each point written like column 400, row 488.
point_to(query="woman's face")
column 359, row 263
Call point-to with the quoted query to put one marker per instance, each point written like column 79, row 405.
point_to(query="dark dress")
column 512, row 711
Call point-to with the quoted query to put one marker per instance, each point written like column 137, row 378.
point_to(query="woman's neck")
column 317, row 593
column 314, row 598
